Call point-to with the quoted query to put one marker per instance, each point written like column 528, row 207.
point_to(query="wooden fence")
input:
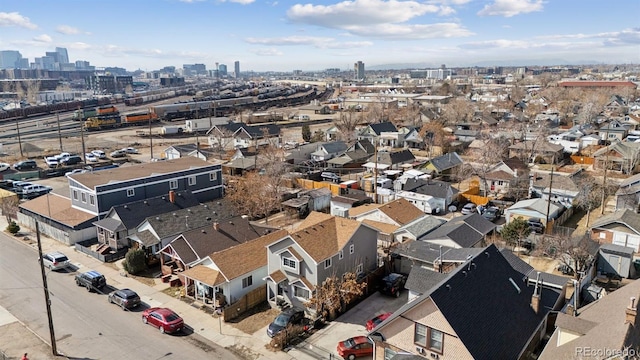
column 248, row 301
column 583, row 160
column 310, row 184
column 472, row 193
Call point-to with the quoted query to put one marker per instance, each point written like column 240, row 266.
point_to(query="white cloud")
column 15, row 19
column 190, row 1
column 411, row 32
column 44, row 38
column 242, row 2
column 624, row 37
column 509, row 8
column 79, row 46
column 266, row 52
column 67, row 30
column 318, row 42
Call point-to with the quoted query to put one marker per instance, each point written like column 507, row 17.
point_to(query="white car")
column 55, row 260
column 130, row 150
column 90, row 157
column 99, row 154
column 75, row 171
column 4, row 166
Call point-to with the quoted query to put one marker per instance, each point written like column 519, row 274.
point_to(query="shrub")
column 135, row 261
column 13, row 228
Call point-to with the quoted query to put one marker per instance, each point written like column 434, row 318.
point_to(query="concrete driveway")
column 324, row 341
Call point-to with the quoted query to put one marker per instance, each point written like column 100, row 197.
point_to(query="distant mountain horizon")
column 487, row 63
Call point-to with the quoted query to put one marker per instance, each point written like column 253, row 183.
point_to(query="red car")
column 355, row 347
column 371, row 324
column 165, row 319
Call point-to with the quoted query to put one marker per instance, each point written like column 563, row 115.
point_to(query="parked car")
column 99, row 154
column 55, row 260
column 393, row 284
column 35, row 190
column 18, row 187
column 125, row 298
column 290, row 316
column 75, row 171
column 25, row 165
column 372, row 323
column 469, row 208
column 492, row 213
column 91, row 157
column 535, row 224
column 355, row 347
column 4, row 167
column 130, row 150
column 329, row 176
column 118, row 154
column 164, row 319
column 71, row 160
column 92, row 280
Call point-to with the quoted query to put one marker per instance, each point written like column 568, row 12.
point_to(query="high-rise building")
column 222, row 70
column 236, row 69
column 11, row 59
column 63, row 56
column 358, row 70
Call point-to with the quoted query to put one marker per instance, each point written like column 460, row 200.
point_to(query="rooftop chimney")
column 172, row 196
column 216, row 226
column 535, row 298
column 631, row 312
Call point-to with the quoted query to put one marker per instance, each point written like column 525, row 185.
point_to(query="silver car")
column 124, row 298
column 55, row 260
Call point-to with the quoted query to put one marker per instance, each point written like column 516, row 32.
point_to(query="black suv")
column 290, row 316
column 535, row 224
column 25, row 165
column 71, row 160
column 92, row 280
column 393, row 284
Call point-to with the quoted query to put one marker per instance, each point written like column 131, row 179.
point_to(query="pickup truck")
column 92, row 280
column 54, row 161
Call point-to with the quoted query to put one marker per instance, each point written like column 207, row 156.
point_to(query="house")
column 464, row 231
column 621, row 157
column 323, row 246
column 221, row 274
column 56, row 218
column 309, row 200
column 356, row 155
column 628, row 193
column 302, row 154
column 464, row 317
column 536, row 151
column 507, row 176
column 97, row 192
column 341, row 204
column 326, row 151
column 561, row 189
column 413, row 139
column 606, row 328
column 616, row 261
column 417, row 228
column 614, row 130
column 430, row 256
column 398, row 212
column 621, row 227
column 533, row 208
column 421, row 280
column 390, row 160
column 570, row 140
column 444, row 165
column 191, row 246
column 372, row 132
column 241, row 135
column 442, row 192
column 121, row 221
column 178, row 151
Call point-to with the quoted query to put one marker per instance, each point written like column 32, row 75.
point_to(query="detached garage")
column 616, row 260
column 620, row 228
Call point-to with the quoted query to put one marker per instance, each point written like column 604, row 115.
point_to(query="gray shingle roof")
column 421, row 280
column 254, row 131
column 476, row 221
column 617, row 250
column 626, row 217
column 334, row 147
column 421, row 251
column 446, row 161
column 110, row 224
column 134, row 213
column 462, row 234
column 392, row 158
column 422, row 225
column 379, row 128
column 436, row 188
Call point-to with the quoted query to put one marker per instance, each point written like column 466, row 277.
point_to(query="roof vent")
column 448, row 287
column 204, row 232
column 188, row 210
column 164, row 198
column 174, row 214
column 486, row 253
column 146, row 202
column 126, row 207
column 514, row 285
column 208, row 218
column 158, row 218
column 219, row 203
column 231, row 222
column 206, row 206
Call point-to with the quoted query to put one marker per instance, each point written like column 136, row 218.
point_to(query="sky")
column 280, row 35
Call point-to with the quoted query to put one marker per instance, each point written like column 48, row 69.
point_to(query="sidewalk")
column 246, row 346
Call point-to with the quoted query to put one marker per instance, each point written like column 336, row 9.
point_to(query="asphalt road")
column 86, row 325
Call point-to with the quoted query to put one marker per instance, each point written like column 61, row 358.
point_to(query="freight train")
column 146, row 97
column 82, row 115
column 115, row 120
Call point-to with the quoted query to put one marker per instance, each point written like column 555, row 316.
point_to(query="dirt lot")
column 255, row 320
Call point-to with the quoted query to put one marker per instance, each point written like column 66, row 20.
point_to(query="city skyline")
column 287, row 35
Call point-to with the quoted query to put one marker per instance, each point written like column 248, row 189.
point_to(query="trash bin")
column 636, row 264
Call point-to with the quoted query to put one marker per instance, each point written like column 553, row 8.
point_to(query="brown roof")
column 294, row 253
column 382, row 227
column 359, row 210
column 401, row 211
column 325, row 238
column 252, row 253
column 500, row 175
column 278, row 276
column 205, row 275
column 307, row 283
column 57, row 208
column 138, row 171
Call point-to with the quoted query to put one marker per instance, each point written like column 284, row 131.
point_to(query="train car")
column 140, row 118
column 104, row 122
column 104, row 110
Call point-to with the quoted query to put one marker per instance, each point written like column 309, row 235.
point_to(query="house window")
column 301, row 292
column 192, row 180
column 248, row 281
column 84, row 197
column 213, row 176
column 286, row 262
column 92, row 200
column 359, row 269
column 341, row 255
column 75, row 194
column 131, row 192
column 603, row 235
column 173, row 184
column 428, row 337
column 327, row 263
column 352, row 249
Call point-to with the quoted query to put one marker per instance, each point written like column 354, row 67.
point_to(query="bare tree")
column 32, row 90
column 335, row 293
column 575, row 252
column 222, row 140
column 593, row 103
column 346, row 123
column 487, row 156
column 456, row 111
column 9, row 207
column 589, row 195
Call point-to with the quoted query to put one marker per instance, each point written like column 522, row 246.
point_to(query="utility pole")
column 150, row 139
column 546, row 224
column 375, row 172
column 59, row 134
column 19, row 139
column 54, row 348
column 84, row 151
column 606, row 166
